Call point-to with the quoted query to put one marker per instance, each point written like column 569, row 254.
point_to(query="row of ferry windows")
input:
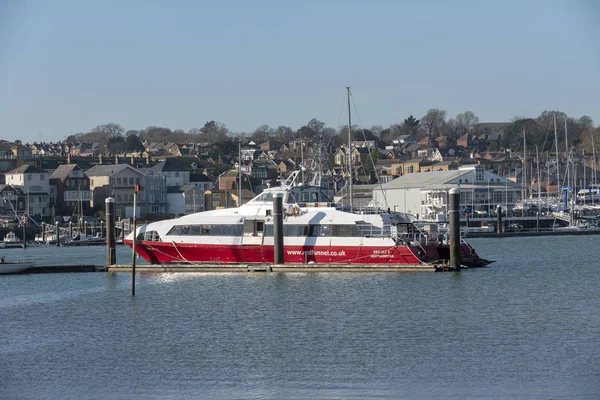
column 288, row 230
column 207, row 230
column 316, row 230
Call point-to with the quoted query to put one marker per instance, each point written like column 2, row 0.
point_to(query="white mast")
column 239, row 173
column 557, row 158
column 594, row 173
column 539, row 184
column 524, row 167
column 350, row 194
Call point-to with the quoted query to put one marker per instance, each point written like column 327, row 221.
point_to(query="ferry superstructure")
column 314, row 233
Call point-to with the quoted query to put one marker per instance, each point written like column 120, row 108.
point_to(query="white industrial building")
column 426, row 193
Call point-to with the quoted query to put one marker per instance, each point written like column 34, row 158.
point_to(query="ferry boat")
column 314, row 233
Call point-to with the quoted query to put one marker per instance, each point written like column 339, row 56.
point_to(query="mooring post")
column 538, row 221
column 70, row 229
column 102, row 233
column 134, row 222
column 278, row 228
column 454, row 213
column 499, row 211
column 25, row 234
column 43, row 232
column 111, row 256
column 85, row 228
column 57, row 232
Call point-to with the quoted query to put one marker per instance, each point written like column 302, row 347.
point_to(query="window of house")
column 119, row 181
column 131, row 181
column 118, row 198
column 137, row 181
column 29, row 177
column 131, row 198
column 42, row 176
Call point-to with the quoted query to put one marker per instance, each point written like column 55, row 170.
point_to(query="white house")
column 35, row 183
column 426, row 193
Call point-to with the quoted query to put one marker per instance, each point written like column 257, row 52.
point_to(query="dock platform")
column 245, row 268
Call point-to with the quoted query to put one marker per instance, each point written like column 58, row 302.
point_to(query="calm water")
column 527, row 327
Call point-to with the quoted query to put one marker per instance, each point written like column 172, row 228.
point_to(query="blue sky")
column 67, row 66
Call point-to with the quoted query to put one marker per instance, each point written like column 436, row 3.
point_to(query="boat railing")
column 315, row 204
column 372, row 231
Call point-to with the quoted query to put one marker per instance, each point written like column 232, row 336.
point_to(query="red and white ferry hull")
column 181, row 253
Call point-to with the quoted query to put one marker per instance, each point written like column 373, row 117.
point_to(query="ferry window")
column 314, row 230
column 151, row 236
column 324, row 230
column 176, row 230
column 304, row 197
column 269, row 197
column 345, row 230
column 206, row 229
column 195, row 230
column 269, row 230
column 314, row 197
column 186, row 230
column 238, row 230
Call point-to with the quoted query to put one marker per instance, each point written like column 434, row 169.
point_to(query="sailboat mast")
column 594, row 173
column 568, row 159
column 524, row 167
column 350, row 169
column 557, row 157
column 239, row 174
column 539, row 184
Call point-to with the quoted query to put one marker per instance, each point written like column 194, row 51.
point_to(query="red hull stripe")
column 168, row 252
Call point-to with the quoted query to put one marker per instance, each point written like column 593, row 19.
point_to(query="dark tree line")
column 539, row 131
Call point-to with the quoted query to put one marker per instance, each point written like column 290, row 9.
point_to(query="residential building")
column 427, row 193
column 155, row 192
column 117, row 181
column 177, row 170
column 71, row 189
column 35, row 184
column 13, row 202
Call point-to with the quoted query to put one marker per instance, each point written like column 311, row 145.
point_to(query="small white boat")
column 85, row 240
column 11, row 237
column 13, row 267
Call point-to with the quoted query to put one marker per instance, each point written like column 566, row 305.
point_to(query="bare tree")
column 433, row 121
column 263, row 132
column 214, row 131
column 465, row 121
column 316, row 126
column 284, row 133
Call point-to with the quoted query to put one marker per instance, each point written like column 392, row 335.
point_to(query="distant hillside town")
column 181, row 173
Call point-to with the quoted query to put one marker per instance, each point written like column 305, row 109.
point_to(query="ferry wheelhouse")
column 314, row 233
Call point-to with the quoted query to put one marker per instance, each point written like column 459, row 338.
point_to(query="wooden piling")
column 278, row 228
column 499, row 211
column 111, row 255
column 454, row 214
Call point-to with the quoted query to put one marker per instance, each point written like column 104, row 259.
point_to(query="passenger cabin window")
column 151, row 236
column 317, row 230
column 206, row 230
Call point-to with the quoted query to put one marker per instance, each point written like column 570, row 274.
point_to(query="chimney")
column 116, row 159
column 132, row 159
column 69, row 158
column 147, row 159
column 100, row 159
